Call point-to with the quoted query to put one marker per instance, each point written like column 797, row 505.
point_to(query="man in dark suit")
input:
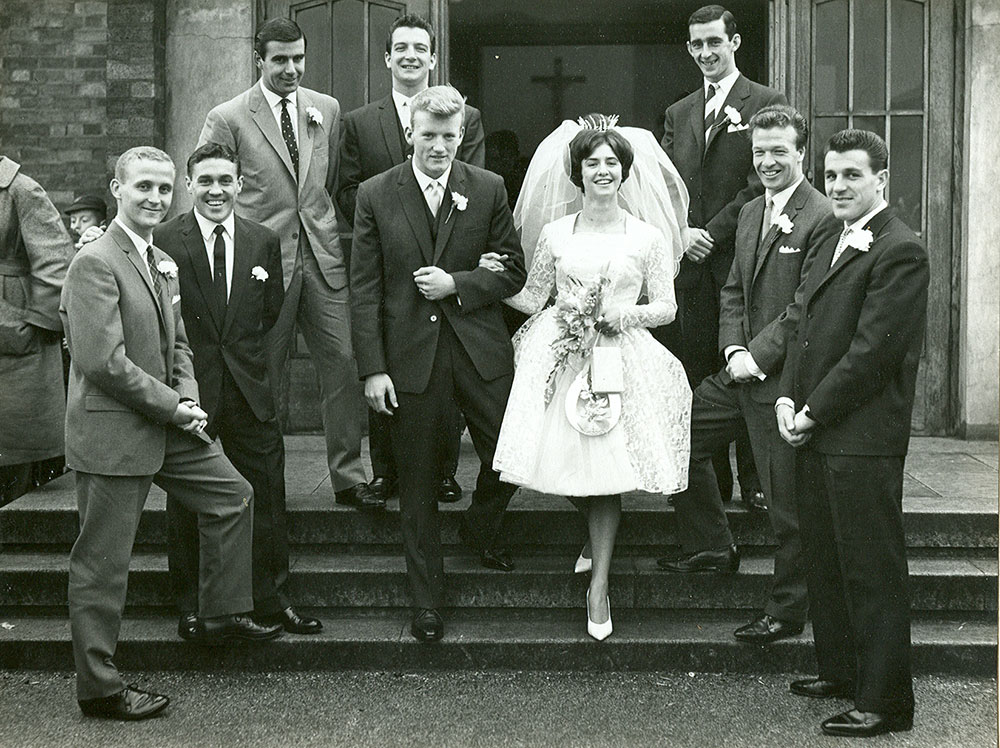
column 776, row 239
column 428, row 330
column 132, row 418
column 231, row 282
column 705, row 136
column 373, row 140
column 847, row 398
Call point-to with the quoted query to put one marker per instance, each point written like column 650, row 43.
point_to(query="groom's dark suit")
column 229, row 347
column 457, row 348
column 853, row 361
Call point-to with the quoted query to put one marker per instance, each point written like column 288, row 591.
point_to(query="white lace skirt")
column 647, row 450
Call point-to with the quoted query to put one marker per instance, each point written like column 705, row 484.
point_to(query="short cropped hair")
column 411, row 21
column 139, row 153
column 781, row 115
column 861, row 140
column 588, row 140
column 212, row 150
column 277, row 30
column 441, row 101
column 709, row 13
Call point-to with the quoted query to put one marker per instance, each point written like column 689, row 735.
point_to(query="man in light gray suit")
column 287, row 140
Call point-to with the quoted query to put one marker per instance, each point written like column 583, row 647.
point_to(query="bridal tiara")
column 601, row 122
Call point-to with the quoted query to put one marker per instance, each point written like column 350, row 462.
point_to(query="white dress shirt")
column 402, row 102
column 424, row 181
column 725, row 86
column 274, row 102
column 140, row 244
column 207, row 229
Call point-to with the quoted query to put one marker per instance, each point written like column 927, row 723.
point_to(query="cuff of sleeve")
column 754, row 369
column 784, row 401
column 730, row 350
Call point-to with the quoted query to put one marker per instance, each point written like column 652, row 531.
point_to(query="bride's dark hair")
column 594, row 134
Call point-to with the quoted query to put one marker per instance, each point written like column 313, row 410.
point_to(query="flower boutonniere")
column 459, row 202
column 733, row 114
column 314, row 115
column 860, row 240
column 167, row 268
column 784, row 223
column 259, row 273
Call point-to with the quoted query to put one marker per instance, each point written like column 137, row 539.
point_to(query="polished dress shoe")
column 427, row 625
column 130, row 704
column 726, row 561
column 856, row 724
column 449, row 491
column 754, row 500
column 383, row 488
column 767, row 629
column 187, row 626
column 817, row 688
column 491, row 558
column 291, row 621
column 360, row 497
column 234, row 628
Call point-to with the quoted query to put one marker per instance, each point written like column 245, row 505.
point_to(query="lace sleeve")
column 541, row 279
column 658, row 272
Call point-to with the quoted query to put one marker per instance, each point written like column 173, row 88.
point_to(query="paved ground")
column 440, row 710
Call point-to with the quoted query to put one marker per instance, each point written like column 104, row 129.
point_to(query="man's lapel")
column 389, row 122
column 241, row 272
column 264, row 117
column 791, row 209
column 738, row 95
column 124, row 243
column 194, row 245
column 307, row 134
column 448, row 214
column 825, row 257
column 755, row 215
column 698, row 117
column 415, row 208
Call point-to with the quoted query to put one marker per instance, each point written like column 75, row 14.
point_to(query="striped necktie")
column 711, row 114
column 841, row 245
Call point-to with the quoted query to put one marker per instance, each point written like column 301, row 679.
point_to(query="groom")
column 428, row 330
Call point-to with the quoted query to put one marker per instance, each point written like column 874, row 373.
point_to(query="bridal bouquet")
column 577, row 312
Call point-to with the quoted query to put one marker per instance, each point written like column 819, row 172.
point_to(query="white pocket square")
column 737, row 128
column 788, row 250
column 175, row 299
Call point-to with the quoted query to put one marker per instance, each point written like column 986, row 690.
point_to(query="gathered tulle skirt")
column 647, row 450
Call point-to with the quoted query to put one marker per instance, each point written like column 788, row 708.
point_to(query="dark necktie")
column 219, row 271
column 712, row 114
column 154, row 274
column 289, row 135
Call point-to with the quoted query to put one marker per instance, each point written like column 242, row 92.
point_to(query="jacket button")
column 805, row 343
column 295, row 235
column 434, row 318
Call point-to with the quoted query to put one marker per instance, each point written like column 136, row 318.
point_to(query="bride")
column 598, row 408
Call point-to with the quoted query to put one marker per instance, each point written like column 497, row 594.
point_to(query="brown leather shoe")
column 130, row 705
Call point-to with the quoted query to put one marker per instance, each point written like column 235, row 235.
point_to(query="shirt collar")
column 859, row 224
column 207, row 226
column 780, row 199
column 423, row 180
column 274, row 99
column 725, row 85
column 137, row 240
column 400, row 99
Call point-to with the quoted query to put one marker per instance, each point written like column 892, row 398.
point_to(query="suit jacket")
column 237, row 341
column 720, row 178
column 756, row 309
column 395, row 329
column 270, row 193
column 131, row 363
column 369, row 144
column 854, row 356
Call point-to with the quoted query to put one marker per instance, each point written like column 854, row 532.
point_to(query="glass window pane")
column 869, row 55
column 823, row 128
column 349, row 53
column 380, row 18
column 315, row 25
column 872, row 124
column 830, row 79
column 907, row 55
column 906, row 169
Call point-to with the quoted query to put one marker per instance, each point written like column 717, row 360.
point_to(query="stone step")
column 525, row 639
column 49, row 518
column 377, row 580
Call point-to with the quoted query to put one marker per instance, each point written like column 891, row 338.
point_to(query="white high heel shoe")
column 583, row 564
column 599, row 631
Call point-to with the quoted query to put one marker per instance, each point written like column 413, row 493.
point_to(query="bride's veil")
column 654, row 191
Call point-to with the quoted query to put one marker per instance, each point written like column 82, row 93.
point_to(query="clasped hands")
column 698, row 244
column 738, row 367
column 189, row 417
column 795, row 428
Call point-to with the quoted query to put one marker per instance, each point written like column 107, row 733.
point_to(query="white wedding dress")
column 649, row 447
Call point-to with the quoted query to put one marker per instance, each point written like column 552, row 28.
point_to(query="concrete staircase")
column 347, row 568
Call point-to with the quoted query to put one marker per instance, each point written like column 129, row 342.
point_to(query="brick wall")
column 70, row 100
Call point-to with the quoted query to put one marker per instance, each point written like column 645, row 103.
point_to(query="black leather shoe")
column 234, row 628
column 361, row 498
column 291, row 622
column 726, row 561
column 491, row 558
column 449, row 492
column 187, row 626
column 817, row 688
column 383, row 488
column 427, row 625
column 767, row 629
column 855, row 724
column 754, row 500
column 130, row 704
